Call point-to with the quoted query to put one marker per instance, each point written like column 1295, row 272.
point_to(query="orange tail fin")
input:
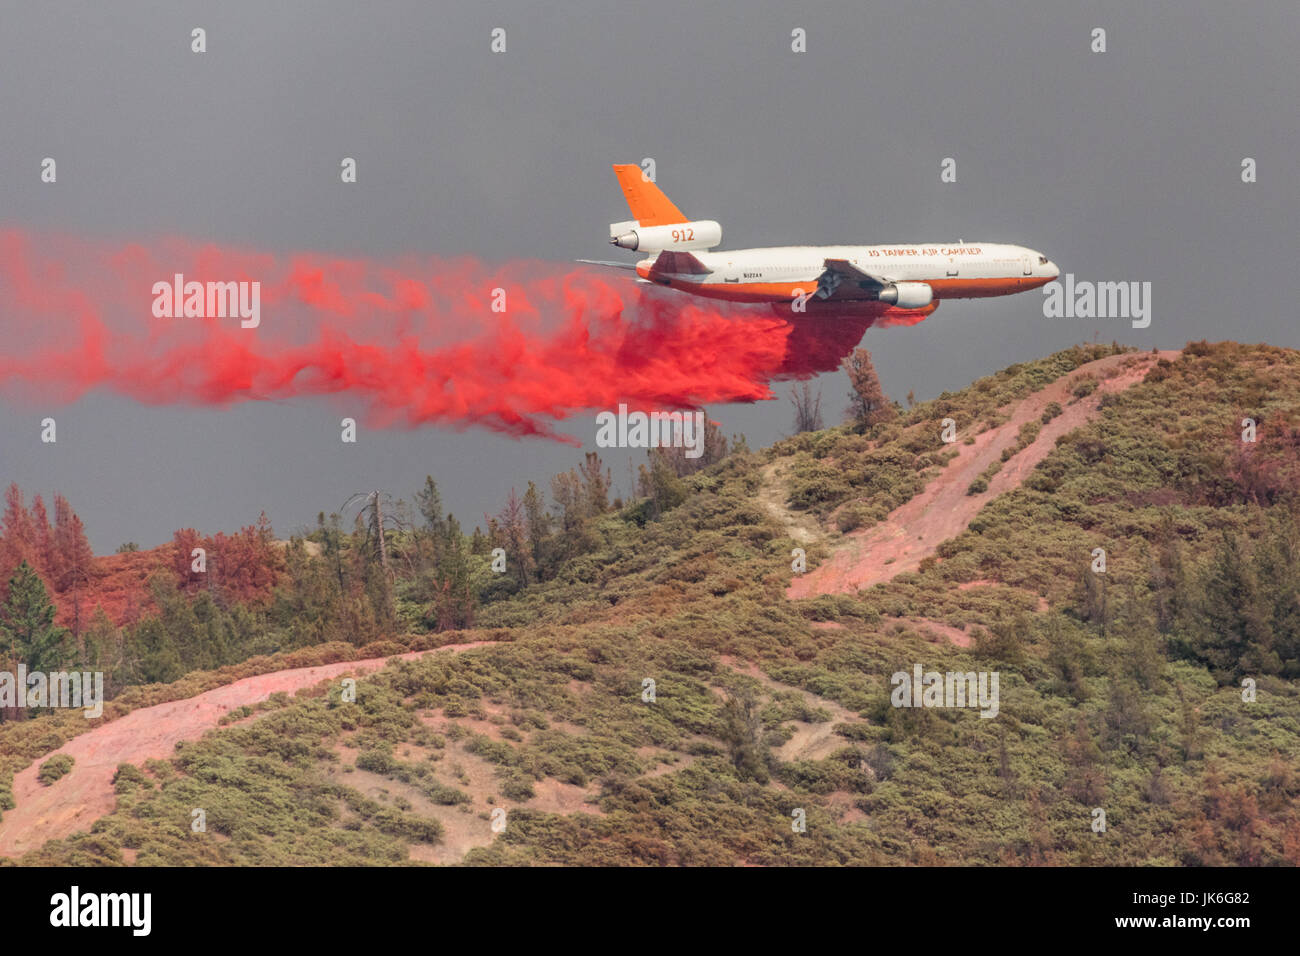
column 650, row 207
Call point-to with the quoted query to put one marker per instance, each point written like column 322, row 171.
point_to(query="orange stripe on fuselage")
column 972, row 288
column 946, row 288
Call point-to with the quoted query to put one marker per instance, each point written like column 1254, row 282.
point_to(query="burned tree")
column 868, row 404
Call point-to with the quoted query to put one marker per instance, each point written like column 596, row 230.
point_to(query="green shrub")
column 855, row 515
column 129, row 777
column 378, row 760
column 517, row 787
column 54, row 768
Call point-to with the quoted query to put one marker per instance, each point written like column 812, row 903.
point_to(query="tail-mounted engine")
column 684, row 236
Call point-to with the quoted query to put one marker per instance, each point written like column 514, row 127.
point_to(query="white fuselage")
column 775, row 274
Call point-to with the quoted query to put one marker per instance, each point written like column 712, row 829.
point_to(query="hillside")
column 913, row 532
column 1120, row 691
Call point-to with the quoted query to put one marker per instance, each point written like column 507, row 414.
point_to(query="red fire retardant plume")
column 408, row 342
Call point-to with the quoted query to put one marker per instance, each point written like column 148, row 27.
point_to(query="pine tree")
column 155, row 658
column 539, row 529
column 1004, row 642
column 1091, row 598
column 660, row 484
column 1277, row 560
column 596, row 483
column 512, row 530
column 741, row 731
column 102, row 650
column 332, row 541
column 27, row 629
column 454, row 600
column 1229, row 626
column 429, row 502
column 570, row 502
column 1067, row 655
column 1084, row 779
column 1167, row 578
column 1143, row 658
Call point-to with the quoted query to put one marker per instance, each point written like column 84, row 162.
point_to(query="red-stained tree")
column 868, row 404
column 46, row 559
column 71, row 557
column 184, row 542
column 17, row 535
column 239, row 567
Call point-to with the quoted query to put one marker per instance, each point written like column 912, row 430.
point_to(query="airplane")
column 891, row 281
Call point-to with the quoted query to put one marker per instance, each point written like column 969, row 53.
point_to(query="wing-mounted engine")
column 680, row 236
column 846, row 280
column 907, row 295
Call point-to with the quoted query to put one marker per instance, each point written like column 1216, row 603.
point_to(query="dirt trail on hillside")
column 772, row 494
column 810, row 741
column 943, row 509
column 85, row 793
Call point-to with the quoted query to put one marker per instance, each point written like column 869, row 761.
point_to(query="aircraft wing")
column 606, row 262
column 839, row 271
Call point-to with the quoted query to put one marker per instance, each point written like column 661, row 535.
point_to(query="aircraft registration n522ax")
column 879, row 280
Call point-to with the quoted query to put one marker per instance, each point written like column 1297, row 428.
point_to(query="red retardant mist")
column 515, row 347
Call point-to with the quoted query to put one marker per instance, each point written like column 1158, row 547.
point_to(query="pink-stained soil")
column 943, row 510
column 1041, row 601
column 85, row 793
column 938, row 630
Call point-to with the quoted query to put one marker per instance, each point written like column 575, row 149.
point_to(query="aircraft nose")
column 1053, row 269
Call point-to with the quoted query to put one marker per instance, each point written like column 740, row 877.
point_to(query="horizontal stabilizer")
column 606, row 262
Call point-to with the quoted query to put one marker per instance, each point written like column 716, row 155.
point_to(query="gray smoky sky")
column 1124, row 165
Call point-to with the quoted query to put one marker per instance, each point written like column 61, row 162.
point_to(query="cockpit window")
column 1042, row 260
